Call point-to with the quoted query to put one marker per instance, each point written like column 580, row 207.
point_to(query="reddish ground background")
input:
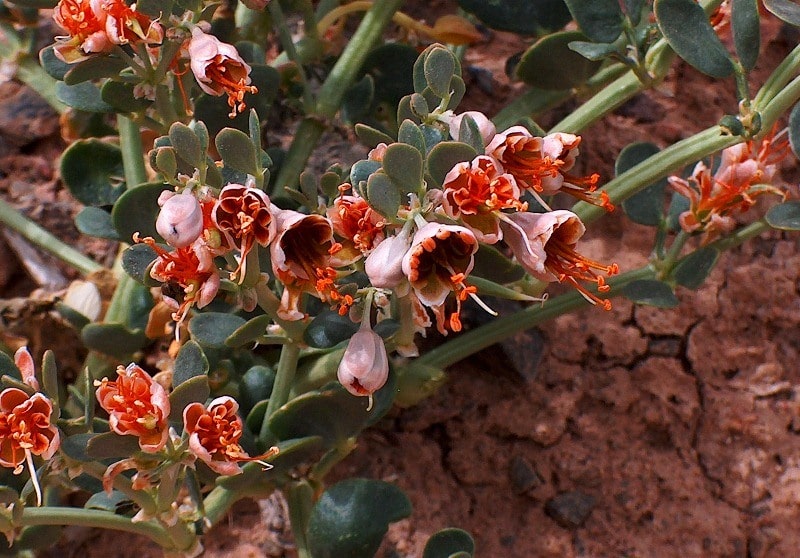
column 637, row 432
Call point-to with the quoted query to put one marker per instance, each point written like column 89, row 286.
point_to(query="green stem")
column 95, row 518
column 783, row 74
column 668, row 263
column 330, row 95
column 484, row 336
column 130, row 141
column 218, row 502
column 31, row 73
column 279, row 23
column 742, row 235
column 658, row 166
column 39, row 237
column 284, row 376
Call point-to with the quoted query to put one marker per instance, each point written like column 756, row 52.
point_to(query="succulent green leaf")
column 95, row 67
column 439, row 66
column 470, row 134
column 445, row 155
column 190, row 362
column 136, row 261
column 358, row 99
column 75, row 446
column 361, row 170
column 633, row 9
column 84, row 96
column 647, row 206
column 686, row 28
column 785, row 10
column 594, row 51
column 50, row 375
column 600, row 20
column 416, row 382
column 186, row 144
column 651, row 293
column 694, row 268
column 785, row 216
column 115, row 340
column 370, row 136
column 211, row 329
column 120, row 96
column 194, row 390
column 110, row 445
column 383, row 195
column 794, row 130
column 411, row 134
column 331, row 412
column 493, row 265
column 550, row 64
column 445, row 543
column 92, row 171
column 249, row 332
column 403, row 165
column 526, row 17
column 137, row 209
column 746, row 25
column 352, row 517
column 328, row 329
column 457, row 90
column 677, row 205
column 52, row 64
column 390, row 67
column 93, row 221
column 255, row 385
column 237, row 151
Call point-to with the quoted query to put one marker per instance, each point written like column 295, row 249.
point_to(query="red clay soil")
column 638, row 432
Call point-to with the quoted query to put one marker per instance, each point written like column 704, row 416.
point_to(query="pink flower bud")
column 180, row 221
column 384, row 265
column 485, row 126
column 364, row 367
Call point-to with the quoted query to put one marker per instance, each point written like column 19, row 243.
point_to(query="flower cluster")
column 745, row 172
column 101, row 26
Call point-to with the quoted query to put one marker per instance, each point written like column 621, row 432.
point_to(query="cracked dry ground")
column 676, row 431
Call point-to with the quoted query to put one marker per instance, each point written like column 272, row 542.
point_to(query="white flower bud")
column 384, row 265
column 180, row 221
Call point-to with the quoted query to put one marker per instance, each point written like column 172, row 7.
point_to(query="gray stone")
column 570, row 509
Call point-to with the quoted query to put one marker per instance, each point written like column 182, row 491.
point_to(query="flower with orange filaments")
column 302, row 260
column 544, row 245
column 744, row 173
column 25, row 431
column 214, row 433
column 437, row 263
column 95, row 26
column 191, row 269
column 542, row 165
column 475, row 193
column 137, row 406
column 244, row 216
column 353, row 219
column 220, row 70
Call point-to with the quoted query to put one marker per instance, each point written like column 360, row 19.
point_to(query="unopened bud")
column 364, row 367
column 485, row 126
column 384, row 265
column 180, row 221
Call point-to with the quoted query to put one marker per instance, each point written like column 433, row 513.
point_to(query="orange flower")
column 475, row 193
column 544, row 244
column 219, row 69
column 214, row 434
column 438, row 262
column 25, row 431
column 137, row 406
column 542, row 165
column 97, row 25
column 244, row 216
column 301, row 260
column 353, row 219
column 744, row 173
column 189, row 275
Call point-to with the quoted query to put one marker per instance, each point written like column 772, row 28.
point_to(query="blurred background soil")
column 638, row 432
